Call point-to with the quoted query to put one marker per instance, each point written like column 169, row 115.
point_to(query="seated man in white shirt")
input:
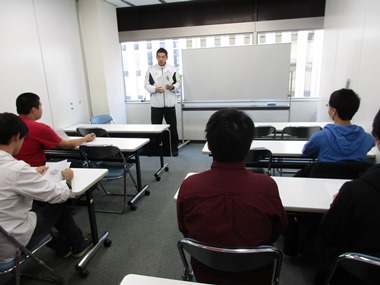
column 20, row 185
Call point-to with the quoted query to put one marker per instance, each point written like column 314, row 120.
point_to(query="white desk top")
column 134, row 279
column 123, row 128
column 282, row 148
column 281, row 125
column 85, row 178
column 304, row 194
column 301, row 194
column 124, row 144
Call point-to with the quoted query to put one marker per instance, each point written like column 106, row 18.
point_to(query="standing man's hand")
column 159, row 89
column 169, row 87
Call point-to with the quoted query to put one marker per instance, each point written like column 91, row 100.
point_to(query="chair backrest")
column 256, row 155
column 362, row 266
column 299, row 133
column 99, row 132
column 231, row 259
column 265, row 132
column 339, row 170
column 22, row 254
column 101, row 119
column 101, row 152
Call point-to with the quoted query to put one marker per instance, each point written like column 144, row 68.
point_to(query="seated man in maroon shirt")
column 228, row 205
column 41, row 136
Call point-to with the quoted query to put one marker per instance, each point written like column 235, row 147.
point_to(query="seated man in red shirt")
column 229, row 205
column 41, row 136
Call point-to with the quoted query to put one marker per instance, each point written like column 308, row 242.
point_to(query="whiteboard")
column 258, row 72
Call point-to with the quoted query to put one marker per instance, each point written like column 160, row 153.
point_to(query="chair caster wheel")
column 107, row 242
column 147, row 192
column 158, row 178
column 133, row 207
column 166, row 168
column 84, row 273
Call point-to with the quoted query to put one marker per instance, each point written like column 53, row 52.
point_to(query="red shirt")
column 41, row 137
column 233, row 207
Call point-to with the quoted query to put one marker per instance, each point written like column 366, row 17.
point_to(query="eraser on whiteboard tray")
column 271, row 104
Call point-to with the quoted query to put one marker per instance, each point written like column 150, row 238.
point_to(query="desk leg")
column 82, row 264
column 164, row 166
column 140, row 189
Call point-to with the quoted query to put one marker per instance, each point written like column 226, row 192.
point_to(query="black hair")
column 229, row 134
column 162, row 50
column 376, row 125
column 26, row 101
column 10, row 125
column 346, row 102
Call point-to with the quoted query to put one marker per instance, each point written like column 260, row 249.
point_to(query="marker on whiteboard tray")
column 271, row 104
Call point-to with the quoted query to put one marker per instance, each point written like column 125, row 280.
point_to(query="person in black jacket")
column 352, row 223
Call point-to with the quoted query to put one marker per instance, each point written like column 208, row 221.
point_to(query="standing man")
column 41, row 136
column 162, row 81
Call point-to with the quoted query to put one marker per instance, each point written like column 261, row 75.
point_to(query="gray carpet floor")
column 144, row 241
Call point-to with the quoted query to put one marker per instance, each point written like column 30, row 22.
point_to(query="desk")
column 306, row 195
column 133, row 279
column 282, row 148
column 153, row 132
column 126, row 145
column 83, row 184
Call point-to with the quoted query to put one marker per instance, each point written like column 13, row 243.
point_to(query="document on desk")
column 165, row 78
column 53, row 173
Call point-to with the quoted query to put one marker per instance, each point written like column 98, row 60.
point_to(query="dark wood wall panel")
column 213, row 12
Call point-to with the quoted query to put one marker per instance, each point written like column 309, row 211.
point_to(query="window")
column 306, row 54
column 305, row 59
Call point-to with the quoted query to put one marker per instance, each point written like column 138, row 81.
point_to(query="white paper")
column 166, row 78
column 53, row 173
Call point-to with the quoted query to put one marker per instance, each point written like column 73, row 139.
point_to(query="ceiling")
column 132, row 3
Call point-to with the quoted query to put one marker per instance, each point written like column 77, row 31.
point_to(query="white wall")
column 36, row 58
column 103, row 58
column 351, row 48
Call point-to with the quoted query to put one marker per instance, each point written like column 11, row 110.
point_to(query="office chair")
column 265, row 132
column 99, row 132
column 229, row 259
column 112, row 158
column 102, row 119
column 298, row 133
column 338, row 170
column 362, row 266
column 22, row 254
column 257, row 156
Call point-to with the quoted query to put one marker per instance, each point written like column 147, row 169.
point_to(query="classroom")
column 75, row 53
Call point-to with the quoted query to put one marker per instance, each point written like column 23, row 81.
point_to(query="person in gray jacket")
column 162, row 81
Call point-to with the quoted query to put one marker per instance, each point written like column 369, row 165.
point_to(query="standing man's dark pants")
column 158, row 114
